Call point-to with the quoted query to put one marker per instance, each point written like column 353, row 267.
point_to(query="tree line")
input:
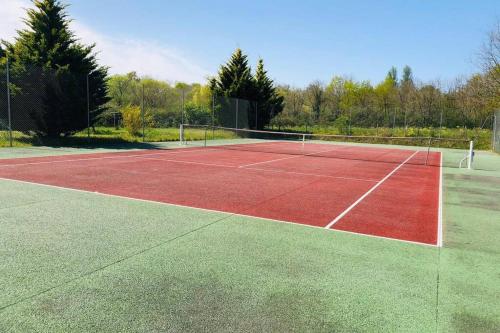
column 168, row 105
column 52, row 73
column 394, row 102
column 71, row 70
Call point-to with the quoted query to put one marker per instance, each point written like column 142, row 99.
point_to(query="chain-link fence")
column 40, row 106
column 5, row 132
column 496, row 132
column 436, row 121
column 45, row 106
column 163, row 115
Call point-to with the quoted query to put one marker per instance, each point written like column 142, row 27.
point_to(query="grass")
column 482, row 137
column 80, row 262
column 110, row 135
column 107, row 135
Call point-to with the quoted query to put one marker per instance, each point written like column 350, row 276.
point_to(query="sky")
column 300, row 41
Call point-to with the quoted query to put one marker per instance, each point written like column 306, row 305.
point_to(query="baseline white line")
column 329, row 225
column 440, row 208
column 213, row 211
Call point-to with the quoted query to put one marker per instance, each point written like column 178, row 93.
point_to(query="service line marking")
column 256, row 169
column 287, row 158
column 329, row 225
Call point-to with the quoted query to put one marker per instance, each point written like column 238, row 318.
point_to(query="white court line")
column 311, row 174
column 287, row 158
column 440, row 208
column 99, row 158
column 329, row 225
column 184, row 162
column 213, row 211
column 146, row 157
column 256, row 169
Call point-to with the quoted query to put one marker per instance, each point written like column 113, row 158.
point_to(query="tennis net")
column 458, row 152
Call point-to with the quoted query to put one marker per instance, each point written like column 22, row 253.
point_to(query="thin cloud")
column 121, row 55
column 12, row 13
column 145, row 57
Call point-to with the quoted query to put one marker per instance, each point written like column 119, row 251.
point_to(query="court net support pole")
column 470, row 155
column 206, row 129
column 181, row 134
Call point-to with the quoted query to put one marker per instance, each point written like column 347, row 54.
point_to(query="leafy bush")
column 342, row 123
column 132, row 120
column 198, row 115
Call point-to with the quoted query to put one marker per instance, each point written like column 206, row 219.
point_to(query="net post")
column 206, row 129
column 181, row 134
column 470, row 155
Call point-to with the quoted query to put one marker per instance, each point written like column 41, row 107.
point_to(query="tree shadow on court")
column 86, row 143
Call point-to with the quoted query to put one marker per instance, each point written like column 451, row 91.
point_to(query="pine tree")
column 269, row 103
column 234, row 78
column 48, row 43
column 407, row 75
column 393, row 75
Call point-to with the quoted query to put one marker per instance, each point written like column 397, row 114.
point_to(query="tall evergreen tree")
column 269, row 102
column 234, row 78
column 393, row 75
column 407, row 75
column 48, row 44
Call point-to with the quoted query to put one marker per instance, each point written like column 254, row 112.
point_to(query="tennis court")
column 385, row 192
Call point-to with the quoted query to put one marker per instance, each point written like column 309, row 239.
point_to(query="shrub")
column 342, row 123
column 132, row 120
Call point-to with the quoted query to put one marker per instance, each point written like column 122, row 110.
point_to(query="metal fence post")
column 350, row 120
column 256, row 115
column 213, row 110
column 237, row 100
column 440, row 123
column 8, row 102
column 496, row 132
column 182, row 107
column 394, row 120
column 88, row 107
column 142, row 116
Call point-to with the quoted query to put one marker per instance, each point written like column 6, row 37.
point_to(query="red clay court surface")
column 373, row 191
